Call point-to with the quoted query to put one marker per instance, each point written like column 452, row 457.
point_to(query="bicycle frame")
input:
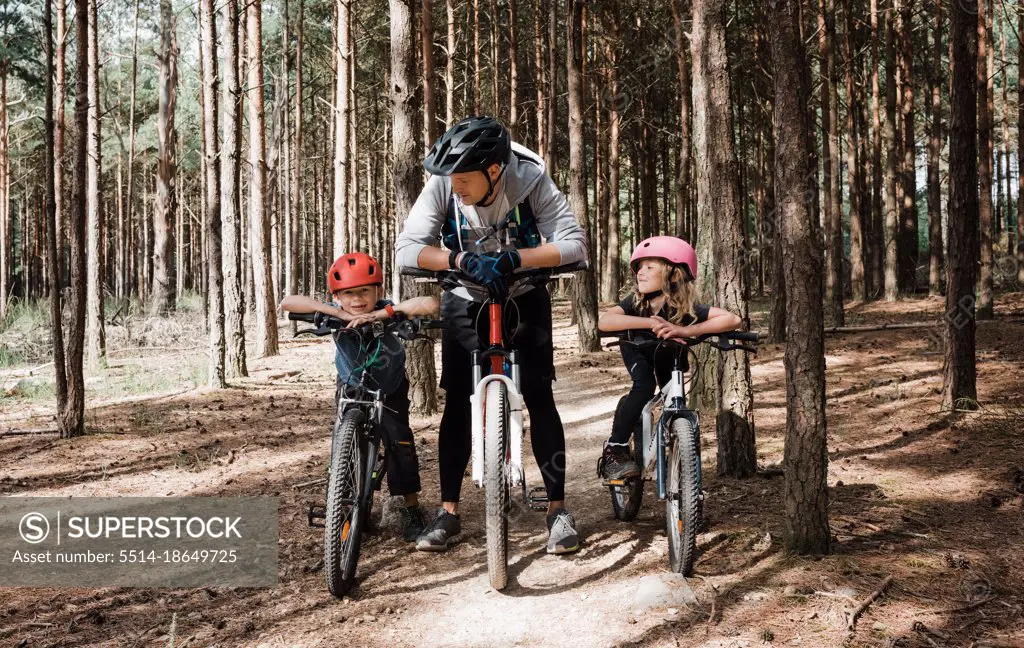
column 654, row 443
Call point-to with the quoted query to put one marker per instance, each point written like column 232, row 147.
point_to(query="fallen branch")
column 965, row 608
column 852, row 615
column 11, row 433
column 314, row 482
column 923, row 629
column 903, row 325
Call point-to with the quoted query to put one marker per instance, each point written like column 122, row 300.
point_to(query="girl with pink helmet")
column 664, row 268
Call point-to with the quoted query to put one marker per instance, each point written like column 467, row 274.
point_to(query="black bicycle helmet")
column 473, row 144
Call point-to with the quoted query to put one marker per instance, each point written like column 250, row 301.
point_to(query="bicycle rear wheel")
column 627, row 498
column 497, row 482
column 345, row 515
column 683, row 505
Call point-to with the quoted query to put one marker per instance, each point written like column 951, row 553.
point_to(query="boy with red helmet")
column 663, row 303
column 357, row 285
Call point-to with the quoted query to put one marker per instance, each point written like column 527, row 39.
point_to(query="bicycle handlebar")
column 534, row 275
column 727, row 341
column 406, row 329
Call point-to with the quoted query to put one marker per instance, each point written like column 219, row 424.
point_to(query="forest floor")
column 931, row 500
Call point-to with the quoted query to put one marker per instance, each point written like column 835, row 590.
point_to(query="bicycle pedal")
column 619, row 483
column 538, row 502
column 316, row 515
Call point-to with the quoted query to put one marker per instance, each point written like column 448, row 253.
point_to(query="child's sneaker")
column 413, row 522
column 617, row 463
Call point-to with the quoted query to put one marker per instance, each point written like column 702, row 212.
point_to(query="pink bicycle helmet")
column 670, row 248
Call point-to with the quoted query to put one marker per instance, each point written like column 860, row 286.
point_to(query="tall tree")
column 232, row 231
column 97, row 339
column 259, row 230
column 449, row 69
column 585, row 288
column 908, row 213
column 341, row 130
column 685, row 109
column 806, row 461
column 513, row 68
column 959, row 385
column 876, row 245
column 833, row 206
column 986, row 213
column 296, row 185
column 61, row 93
column 857, row 278
column 215, row 285
column 612, row 262
column 539, row 81
column 934, row 104
column 71, row 418
column 891, row 207
column 408, row 180
column 720, row 212
column 164, row 275
column 552, row 81
column 431, row 129
column 1020, row 148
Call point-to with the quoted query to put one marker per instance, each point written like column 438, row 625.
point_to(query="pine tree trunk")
column 1007, row 211
column 215, row 285
column 539, row 82
column 805, row 460
column 71, row 417
column 50, row 171
column 986, row 212
column 959, row 388
column 685, row 109
column 833, row 205
column 585, row 286
column 341, row 130
column 908, row 229
column 552, row 81
column 408, row 182
column 1019, row 250
column 430, row 127
column 720, row 215
column 232, row 232
column 513, row 69
column 857, row 280
column 612, row 262
column 96, row 334
column 6, row 231
column 891, row 206
column 259, row 230
column 164, row 275
column 876, row 244
column 449, row 74
column 353, row 144
column 935, row 257
column 60, row 99
column 297, row 197
column 476, row 57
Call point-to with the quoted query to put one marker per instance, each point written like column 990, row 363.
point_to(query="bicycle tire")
column 345, row 516
column 497, row 498
column 626, row 499
column 683, row 506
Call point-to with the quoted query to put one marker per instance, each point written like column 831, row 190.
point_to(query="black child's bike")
column 667, row 449
column 357, row 454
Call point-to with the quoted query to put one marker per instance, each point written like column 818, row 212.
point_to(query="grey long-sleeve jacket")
column 525, row 177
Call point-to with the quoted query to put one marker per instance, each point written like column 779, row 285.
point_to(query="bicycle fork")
column 514, row 455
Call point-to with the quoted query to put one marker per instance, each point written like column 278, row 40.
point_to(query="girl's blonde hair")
column 679, row 292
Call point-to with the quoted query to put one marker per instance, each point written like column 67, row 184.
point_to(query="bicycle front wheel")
column 496, row 430
column 682, row 507
column 345, row 516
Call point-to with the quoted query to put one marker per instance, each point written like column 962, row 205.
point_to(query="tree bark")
column 986, row 212
column 513, row 68
column 1019, row 250
column 71, row 417
column 259, row 230
column 96, row 334
column 408, row 182
column 539, row 74
column 215, row 286
column 430, row 126
column 891, row 208
column 959, row 385
column 833, row 203
column 585, row 286
column 719, row 208
column 297, row 212
column 612, row 261
column 61, row 93
column 449, row 74
column 935, row 256
column 876, row 245
column 476, row 57
column 685, row 109
column 857, row 280
column 805, row 456
column 908, row 230
column 552, row 80
column 164, row 275
column 341, row 130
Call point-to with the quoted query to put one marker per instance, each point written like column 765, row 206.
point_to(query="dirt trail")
column 930, row 501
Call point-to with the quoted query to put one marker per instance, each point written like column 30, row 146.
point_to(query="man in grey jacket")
column 492, row 205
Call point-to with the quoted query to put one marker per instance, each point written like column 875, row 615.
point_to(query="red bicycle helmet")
column 670, row 248
column 354, row 270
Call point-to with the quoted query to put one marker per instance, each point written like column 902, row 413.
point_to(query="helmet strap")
column 483, row 202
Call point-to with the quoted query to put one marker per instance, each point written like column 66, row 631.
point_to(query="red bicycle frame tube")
column 497, row 362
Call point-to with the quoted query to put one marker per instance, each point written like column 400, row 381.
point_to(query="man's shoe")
column 562, row 536
column 440, row 533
